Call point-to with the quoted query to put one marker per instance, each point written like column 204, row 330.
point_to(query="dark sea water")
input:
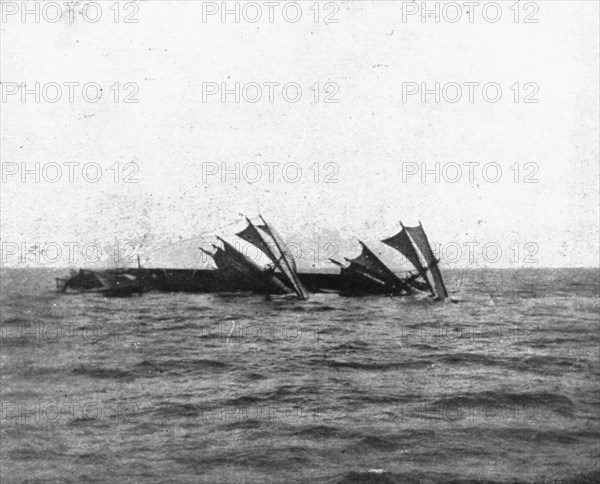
column 193, row 388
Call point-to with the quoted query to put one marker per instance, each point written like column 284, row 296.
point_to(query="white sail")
column 421, row 241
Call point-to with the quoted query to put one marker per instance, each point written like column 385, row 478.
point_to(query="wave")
column 531, row 401
column 100, row 372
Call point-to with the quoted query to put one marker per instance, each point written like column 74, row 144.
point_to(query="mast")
column 209, row 254
column 338, row 263
column 300, row 290
column 422, row 270
column 206, row 251
column 435, row 270
column 422, row 242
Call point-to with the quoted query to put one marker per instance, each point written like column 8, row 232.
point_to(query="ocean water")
column 203, row 388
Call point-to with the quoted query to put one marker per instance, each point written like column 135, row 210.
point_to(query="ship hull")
column 216, row 281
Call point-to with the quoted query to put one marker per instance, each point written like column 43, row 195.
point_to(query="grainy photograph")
column 329, row 242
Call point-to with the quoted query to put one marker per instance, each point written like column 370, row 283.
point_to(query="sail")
column 286, row 262
column 420, row 238
column 369, row 261
column 252, row 235
column 229, row 258
column 402, row 243
column 229, row 255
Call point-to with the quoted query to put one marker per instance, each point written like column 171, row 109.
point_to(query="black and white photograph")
column 312, row 241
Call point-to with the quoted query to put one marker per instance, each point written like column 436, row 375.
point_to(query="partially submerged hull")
column 215, row 281
column 116, row 283
column 235, row 272
column 356, row 283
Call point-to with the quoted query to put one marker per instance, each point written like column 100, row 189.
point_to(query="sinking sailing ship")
column 240, row 273
column 235, row 272
column 367, row 274
column 237, row 266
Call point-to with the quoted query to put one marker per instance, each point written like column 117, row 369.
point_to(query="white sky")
column 368, row 134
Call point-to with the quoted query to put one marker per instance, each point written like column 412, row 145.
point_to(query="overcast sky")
column 360, row 157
